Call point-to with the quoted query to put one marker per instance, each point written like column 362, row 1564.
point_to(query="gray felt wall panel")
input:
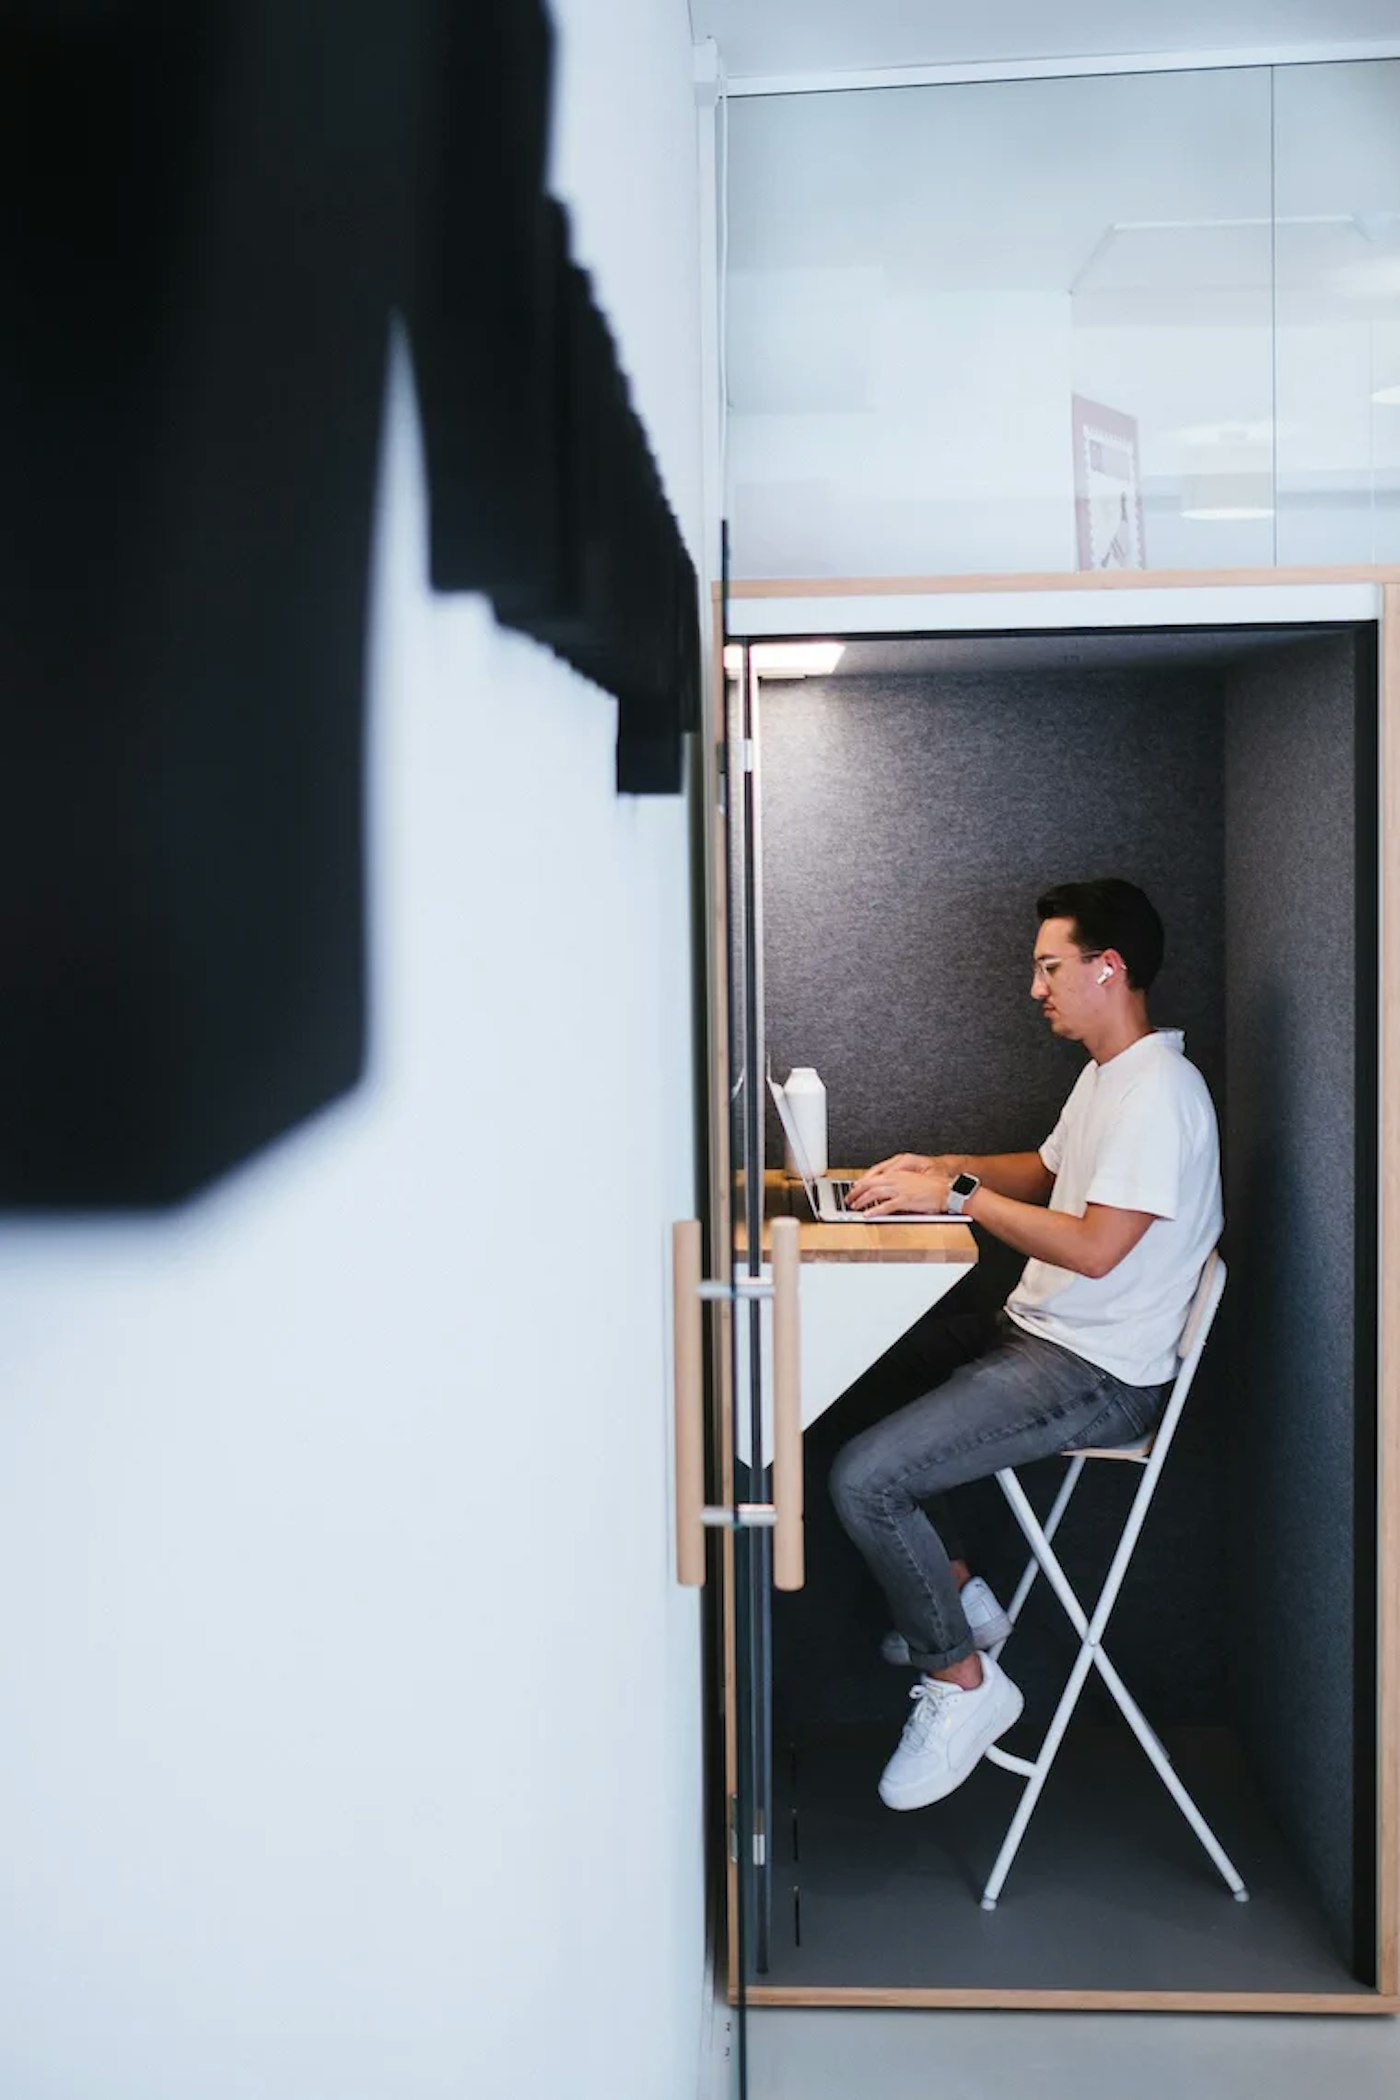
column 1290, row 954
column 909, row 824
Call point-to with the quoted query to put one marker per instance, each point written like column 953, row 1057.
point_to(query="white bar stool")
column 1151, row 1455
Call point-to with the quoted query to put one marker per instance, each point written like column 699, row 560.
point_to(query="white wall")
column 349, row 1714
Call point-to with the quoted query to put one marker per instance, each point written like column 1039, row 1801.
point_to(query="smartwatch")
column 960, row 1189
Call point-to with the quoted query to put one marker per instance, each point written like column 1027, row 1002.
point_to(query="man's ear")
column 1111, row 964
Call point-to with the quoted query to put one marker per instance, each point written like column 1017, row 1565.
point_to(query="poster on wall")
column 1107, row 491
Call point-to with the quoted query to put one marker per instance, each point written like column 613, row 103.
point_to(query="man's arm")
column 1089, row 1246
column 1022, row 1175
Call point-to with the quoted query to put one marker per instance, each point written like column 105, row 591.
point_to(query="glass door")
column 752, row 1793
column 763, row 1532
column 736, row 1333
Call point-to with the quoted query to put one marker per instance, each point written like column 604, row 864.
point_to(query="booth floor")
column 1110, row 1891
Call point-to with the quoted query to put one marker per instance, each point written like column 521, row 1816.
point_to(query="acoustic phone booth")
column 877, row 837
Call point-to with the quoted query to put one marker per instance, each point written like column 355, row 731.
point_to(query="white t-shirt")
column 1138, row 1133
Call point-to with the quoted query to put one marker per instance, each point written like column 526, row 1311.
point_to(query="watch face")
column 964, row 1184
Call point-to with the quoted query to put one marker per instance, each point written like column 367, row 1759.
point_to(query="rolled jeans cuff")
column 930, row 1660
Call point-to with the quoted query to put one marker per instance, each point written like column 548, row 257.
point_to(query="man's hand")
column 945, row 1164
column 949, row 1163
column 894, row 1186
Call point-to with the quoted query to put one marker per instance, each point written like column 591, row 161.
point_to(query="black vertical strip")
column 1365, row 1374
column 742, row 1540
column 753, row 1095
column 1273, row 310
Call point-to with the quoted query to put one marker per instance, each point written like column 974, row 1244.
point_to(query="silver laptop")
column 827, row 1192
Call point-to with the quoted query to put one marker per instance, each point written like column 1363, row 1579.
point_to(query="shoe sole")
column 922, row 1798
column 895, row 1649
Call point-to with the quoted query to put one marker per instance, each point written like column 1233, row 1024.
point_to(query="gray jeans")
column 1000, row 1397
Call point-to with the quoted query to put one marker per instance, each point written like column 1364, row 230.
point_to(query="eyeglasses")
column 1045, row 966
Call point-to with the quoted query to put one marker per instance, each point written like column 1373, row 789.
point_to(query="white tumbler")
column 806, row 1097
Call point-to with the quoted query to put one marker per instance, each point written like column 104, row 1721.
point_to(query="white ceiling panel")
column 819, row 36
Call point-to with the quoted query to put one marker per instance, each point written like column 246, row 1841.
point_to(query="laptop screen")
column 789, row 1123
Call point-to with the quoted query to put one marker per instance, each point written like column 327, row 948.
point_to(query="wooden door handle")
column 689, row 1403
column 789, row 1571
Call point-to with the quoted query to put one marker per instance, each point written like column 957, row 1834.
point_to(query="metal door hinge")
column 739, row 1287
column 758, row 1841
column 745, row 1516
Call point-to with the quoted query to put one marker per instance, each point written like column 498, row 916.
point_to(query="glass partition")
column 1337, row 159
column 1124, row 321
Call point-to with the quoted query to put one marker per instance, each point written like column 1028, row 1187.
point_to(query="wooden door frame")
column 1385, row 1998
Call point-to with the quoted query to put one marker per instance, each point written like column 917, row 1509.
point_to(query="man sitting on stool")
column 1117, row 1211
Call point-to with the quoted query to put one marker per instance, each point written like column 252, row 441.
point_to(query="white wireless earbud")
column 1105, row 973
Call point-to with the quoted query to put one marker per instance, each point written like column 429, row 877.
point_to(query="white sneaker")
column 986, row 1622
column 947, row 1735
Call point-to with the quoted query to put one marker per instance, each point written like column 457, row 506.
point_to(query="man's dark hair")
column 1111, row 913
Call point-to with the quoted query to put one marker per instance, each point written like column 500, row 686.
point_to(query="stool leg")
column 1042, row 1552
column 1032, row 1567
column 1166, row 1772
column 1128, row 1706
column 1030, row 1794
column 1092, row 1655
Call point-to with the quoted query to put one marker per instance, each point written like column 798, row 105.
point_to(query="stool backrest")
column 1199, row 1320
column 1203, row 1305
